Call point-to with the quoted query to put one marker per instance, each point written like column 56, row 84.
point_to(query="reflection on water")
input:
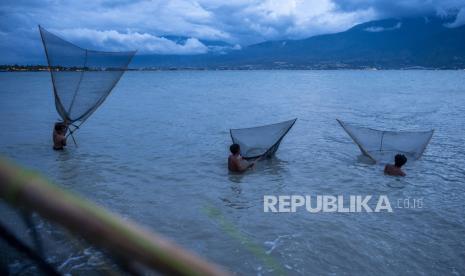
column 397, row 183
column 274, row 166
column 236, row 177
column 156, row 152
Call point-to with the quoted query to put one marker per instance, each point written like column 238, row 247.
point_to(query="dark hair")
column 235, row 148
column 400, row 160
column 59, row 126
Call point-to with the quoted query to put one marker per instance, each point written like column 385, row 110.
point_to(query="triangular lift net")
column 382, row 146
column 82, row 79
column 261, row 141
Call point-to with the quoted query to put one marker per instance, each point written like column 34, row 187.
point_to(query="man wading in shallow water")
column 236, row 162
column 395, row 170
column 59, row 136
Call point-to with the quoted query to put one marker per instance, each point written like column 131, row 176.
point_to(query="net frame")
column 65, row 113
column 383, row 133
column 273, row 148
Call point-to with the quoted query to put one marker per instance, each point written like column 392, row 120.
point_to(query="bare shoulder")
column 393, row 170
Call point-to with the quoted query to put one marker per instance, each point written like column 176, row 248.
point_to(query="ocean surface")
column 156, row 152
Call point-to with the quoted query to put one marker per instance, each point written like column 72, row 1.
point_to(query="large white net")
column 262, row 140
column 382, row 146
column 82, row 79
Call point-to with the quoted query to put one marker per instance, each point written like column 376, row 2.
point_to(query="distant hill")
column 392, row 43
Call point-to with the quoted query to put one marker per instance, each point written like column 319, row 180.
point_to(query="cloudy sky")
column 144, row 24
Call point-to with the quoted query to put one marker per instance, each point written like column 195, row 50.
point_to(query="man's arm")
column 64, row 140
column 242, row 167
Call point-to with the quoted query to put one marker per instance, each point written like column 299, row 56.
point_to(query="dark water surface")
column 156, row 152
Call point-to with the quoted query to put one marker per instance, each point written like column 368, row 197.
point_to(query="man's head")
column 235, row 149
column 60, row 127
column 400, row 160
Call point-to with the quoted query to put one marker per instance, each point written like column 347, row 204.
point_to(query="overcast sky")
column 138, row 24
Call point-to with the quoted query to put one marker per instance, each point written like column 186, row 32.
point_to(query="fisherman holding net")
column 82, row 79
column 396, row 168
column 236, row 163
column 59, row 135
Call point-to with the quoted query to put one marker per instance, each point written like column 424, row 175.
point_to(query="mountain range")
column 426, row 42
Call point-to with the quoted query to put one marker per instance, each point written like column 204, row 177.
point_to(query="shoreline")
column 241, row 69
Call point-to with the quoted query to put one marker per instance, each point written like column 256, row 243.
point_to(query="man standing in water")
column 59, row 136
column 395, row 170
column 236, row 162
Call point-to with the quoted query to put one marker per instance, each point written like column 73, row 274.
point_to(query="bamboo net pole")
column 125, row 239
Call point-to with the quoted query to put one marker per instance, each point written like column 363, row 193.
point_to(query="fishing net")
column 261, row 141
column 382, row 146
column 82, row 79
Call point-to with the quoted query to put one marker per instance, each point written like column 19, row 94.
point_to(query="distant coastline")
column 42, row 68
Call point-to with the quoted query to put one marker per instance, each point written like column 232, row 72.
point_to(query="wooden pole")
column 123, row 238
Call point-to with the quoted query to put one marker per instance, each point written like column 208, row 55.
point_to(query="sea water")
column 156, row 152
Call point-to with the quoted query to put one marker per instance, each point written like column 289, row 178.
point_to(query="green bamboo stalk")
column 22, row 188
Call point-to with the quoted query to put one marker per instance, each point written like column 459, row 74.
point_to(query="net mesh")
column 82, row 79
column 261, row 141
column 382, row 146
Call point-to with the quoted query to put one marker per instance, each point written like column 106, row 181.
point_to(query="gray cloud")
column 403, row 8
column 144, row 25
column 377, row 29
column 145, row 43
column 459, row 20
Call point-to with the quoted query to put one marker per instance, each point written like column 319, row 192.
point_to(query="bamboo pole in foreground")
column 123, row 238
